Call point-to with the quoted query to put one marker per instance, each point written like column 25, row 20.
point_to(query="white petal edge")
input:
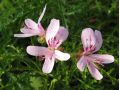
column 42, row 14
column 24, row 35
column 62, row 56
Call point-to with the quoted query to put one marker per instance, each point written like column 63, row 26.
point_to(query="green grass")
column 20, row 71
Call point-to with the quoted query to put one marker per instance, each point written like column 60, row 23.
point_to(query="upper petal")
column 99, row 40
column 42, row 14
column 40, row 31
column 81, row 63
column 27, row 33
column 48, row 64
column 24, row 30
column 61, row 56
column 103, row 58
column 61, row 36
column 88, row 39
column 36, row 50
column 94, row 71
column 31, row 24
column 52, row 29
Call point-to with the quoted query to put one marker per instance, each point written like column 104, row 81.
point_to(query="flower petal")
column 81, row 63
column 25, row 30
column 103, row 58
column 41, row 30
column 42, row 14
column 48, row 64
column 61, row 36
column 61, row 56
column 88, row 39
column 29, row 31
column 94, row 71
column 31, row 24
column 99, row 40
column 24, row 35
column 36, row 50
column 52, row 29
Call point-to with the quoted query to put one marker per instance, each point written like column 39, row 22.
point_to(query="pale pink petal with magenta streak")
column 61, row 36
column 99, row 40
column 88, row 39
column 52, row 30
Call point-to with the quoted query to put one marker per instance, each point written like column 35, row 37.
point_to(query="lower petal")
column 48, row 65
column 94, row 71
column 103, row 58
column 81, row 64
column 61, row 56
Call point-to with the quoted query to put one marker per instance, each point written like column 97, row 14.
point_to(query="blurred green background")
column 20, row 71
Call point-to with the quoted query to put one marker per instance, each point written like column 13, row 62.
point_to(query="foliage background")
column 20, row 71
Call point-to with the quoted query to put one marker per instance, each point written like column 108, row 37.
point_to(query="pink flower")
column 92, row 42
column 32, row 28
column 55, row 35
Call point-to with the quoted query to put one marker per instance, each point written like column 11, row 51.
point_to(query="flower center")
column 86, row 53
column 52, row 49
column 41, row 39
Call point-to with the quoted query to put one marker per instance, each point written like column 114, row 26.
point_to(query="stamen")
column 99, row 62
